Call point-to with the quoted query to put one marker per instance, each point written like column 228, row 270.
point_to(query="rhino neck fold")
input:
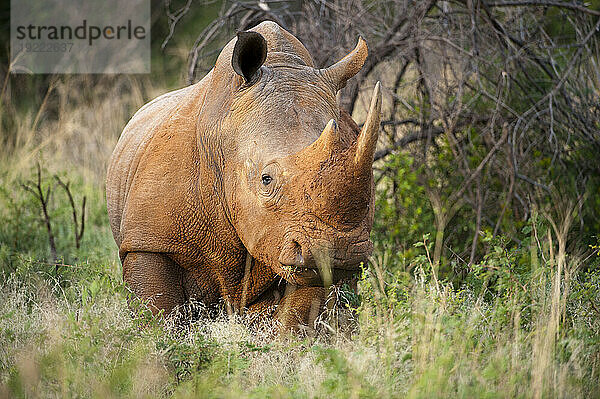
column 210, row 188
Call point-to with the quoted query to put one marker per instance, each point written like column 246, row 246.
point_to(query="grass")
column 66, row 330
column 75, row 337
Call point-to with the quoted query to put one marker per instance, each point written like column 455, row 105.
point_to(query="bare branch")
column 78, row 228
column 173, row 19
column 408, row 139
column 35, row 188
column 560, row 4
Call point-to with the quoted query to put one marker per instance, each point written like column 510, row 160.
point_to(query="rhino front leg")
column 155, row 279
column 300, row 307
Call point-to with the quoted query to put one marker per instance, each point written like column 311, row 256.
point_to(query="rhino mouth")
column 316, row 277
column 324, row 266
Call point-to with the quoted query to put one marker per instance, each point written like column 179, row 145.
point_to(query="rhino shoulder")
column 142, row 136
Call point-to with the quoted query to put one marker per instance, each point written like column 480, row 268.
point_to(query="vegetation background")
column 485, row 281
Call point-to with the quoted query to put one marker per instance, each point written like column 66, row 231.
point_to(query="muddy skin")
column 250, row 178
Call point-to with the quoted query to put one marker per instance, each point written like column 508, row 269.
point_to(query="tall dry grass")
column 429, row 340
column 75, row 125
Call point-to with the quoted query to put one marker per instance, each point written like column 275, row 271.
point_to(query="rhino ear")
column 249, row 54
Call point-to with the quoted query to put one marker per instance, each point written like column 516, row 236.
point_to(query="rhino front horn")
column 348, row 66
column 367, row 139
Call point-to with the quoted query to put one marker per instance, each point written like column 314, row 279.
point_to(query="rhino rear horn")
column 249, row 54
column 348, row 66
column 329, row 140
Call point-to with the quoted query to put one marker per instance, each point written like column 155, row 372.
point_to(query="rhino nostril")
column 291, row 254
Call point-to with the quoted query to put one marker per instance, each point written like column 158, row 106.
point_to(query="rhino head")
column 300, row 183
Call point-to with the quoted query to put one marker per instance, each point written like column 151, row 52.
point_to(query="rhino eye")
column 266, row 179
column 269, row 185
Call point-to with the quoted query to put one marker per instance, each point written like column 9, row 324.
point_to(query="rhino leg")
column 155, row 279
column 300, row 307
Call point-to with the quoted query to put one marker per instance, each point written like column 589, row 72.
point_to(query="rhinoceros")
column 250, row 187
